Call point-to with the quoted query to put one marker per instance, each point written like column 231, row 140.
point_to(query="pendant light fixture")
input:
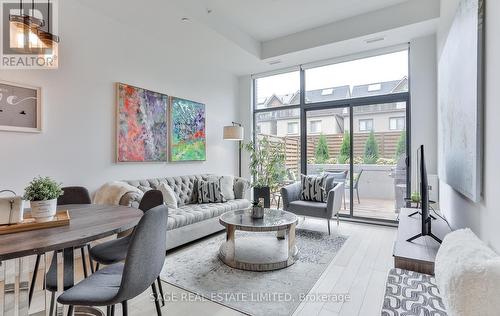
column 46, row 36
column 26, row 30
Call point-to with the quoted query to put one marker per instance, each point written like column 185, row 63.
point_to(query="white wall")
column 423, row 87
column 77, row 146
column 482, row 217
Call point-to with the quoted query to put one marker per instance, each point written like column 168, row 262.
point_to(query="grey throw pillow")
column 313, row 188
column 210, row 192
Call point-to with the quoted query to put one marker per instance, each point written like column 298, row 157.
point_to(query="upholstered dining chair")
column 115, row 250
column 120, row 282
column 71, row 195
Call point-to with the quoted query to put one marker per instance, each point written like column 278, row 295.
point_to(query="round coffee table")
column 259, row 252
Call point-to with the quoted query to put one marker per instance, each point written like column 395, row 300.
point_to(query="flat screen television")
column 426, row 217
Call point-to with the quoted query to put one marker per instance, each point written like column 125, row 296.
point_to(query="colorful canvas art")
column 142, row 125
column 188, row 141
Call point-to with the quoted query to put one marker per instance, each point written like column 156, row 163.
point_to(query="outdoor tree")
column 401, row 146
column 371, row 150
column 322, row 154
column 345, row 149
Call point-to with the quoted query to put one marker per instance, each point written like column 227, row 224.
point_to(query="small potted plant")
column 42, row 192
column 258, row 209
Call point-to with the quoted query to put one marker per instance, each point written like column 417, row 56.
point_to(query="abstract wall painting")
column 187, row 139
column 142, row 120
column 20, row 108
column 460, row 101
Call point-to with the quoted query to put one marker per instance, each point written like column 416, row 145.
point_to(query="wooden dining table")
column 88, row 223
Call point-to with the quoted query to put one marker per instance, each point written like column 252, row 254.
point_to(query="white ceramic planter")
column 43, row 211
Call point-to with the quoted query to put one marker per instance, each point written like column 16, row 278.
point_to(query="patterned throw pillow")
column 313, row 188
column 210, row 192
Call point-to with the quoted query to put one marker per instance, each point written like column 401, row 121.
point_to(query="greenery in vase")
column 415, row 197
column 322, row 154
column 267, row 163
column 42, row 189
column 345, row 147
column 371, row 150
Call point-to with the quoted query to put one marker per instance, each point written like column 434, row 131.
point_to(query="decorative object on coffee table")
column 259, row 253
column 42, row 192
column 267, row 167
column 21, row 108
column 258, row 209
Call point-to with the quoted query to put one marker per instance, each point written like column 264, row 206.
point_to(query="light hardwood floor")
column 359, row 270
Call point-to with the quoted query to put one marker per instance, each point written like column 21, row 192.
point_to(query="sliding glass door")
column 347, row 118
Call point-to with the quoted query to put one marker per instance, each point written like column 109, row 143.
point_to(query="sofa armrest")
column 334, row 200
column 290, row 193
column 240, row 188
column 131, row 199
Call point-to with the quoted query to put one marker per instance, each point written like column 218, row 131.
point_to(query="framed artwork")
column 187, row 137
column 460, row 101
column 20, row 107
column 142, row 121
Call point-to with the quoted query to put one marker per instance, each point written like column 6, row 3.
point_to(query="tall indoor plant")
column 267, row 167
column 42, row 192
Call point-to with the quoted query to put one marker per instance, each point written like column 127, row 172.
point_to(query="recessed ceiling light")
column 374, row 39
column 274, row 62
column 185, row 19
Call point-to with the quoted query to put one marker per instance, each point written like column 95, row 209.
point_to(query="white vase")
column 43, row 211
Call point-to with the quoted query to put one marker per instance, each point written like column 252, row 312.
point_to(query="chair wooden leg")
column 328, row 226
column 124, row 308
column 33, row 279
column 70, row 310
column 157, row 303
column 113, row 310
column 90, row 259
column 97, row 267
column 160, row 288
column 357, row 193
column 108, row 310
column 84, row 263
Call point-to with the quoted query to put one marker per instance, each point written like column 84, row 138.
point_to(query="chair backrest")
column 150, row 199
column 146, row 253
column 74, row 195
column 356, row 180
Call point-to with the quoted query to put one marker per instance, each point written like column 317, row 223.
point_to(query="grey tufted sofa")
column 190, row 220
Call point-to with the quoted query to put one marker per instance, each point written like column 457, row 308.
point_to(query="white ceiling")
column 269, row 19
column 231, row 37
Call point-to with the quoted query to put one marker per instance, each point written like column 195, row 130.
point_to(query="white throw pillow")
column 169, row 196
column 468, row 275
column 227, row 184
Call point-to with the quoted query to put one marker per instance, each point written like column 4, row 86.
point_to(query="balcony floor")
column 373, row 208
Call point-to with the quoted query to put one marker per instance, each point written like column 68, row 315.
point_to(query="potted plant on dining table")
column 42, row 192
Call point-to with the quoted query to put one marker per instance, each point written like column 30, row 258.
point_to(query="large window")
column 384, row 74
column 277, row 90
column 353, row 115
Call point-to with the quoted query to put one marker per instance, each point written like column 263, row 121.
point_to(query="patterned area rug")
column 411, row 293
column 197, row 269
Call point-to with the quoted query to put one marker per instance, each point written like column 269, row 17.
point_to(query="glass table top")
column 272, row 218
